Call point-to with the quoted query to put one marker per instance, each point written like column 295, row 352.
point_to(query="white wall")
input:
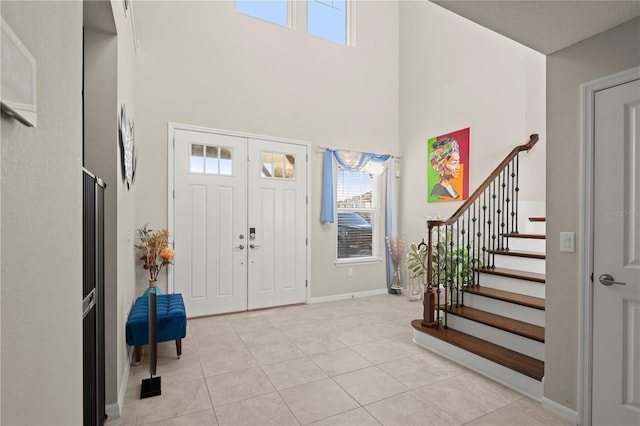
column 456, row 74
column 202, row 63
column 41, row 228
column 607, row 53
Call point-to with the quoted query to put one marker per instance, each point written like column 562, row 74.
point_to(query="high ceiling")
column 545, row 25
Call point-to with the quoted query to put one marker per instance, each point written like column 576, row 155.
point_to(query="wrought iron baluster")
column 484, row 228
column 517, row 189
column 493, row 225
column 504, row 242
column 514, row 226
column 438, row 275
column 469, row 273
column 476, row 240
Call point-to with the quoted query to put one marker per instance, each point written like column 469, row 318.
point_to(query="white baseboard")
column 113, row 411
column 346, row 296
column 559, row 409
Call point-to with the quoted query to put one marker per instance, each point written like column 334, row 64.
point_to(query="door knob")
column 606, row 279
column 240, row 247
column 254, row 246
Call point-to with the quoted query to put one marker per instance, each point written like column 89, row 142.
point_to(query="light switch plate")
column 568, row 242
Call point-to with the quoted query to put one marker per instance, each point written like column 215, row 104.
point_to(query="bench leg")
column 179, row 347
column 138, row 354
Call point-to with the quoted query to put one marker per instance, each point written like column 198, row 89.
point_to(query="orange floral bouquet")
column 154, row 250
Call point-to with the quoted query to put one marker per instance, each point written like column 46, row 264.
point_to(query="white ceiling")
column 545, row 25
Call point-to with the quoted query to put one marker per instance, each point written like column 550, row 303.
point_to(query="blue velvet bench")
column 171, row 320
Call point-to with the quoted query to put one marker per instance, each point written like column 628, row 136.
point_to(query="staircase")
column 494, row 323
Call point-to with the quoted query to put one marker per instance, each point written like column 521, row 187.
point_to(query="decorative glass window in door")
column 276, row 165
column 211, row 160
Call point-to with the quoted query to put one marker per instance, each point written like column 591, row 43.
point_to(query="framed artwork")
column 18, row 72
column 448, row 167
column 127, row 148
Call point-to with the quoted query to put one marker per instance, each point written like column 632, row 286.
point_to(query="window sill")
column 358, row 261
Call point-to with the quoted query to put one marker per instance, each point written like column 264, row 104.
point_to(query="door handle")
column 240, row 247
column 606, row 279
column 253, row 246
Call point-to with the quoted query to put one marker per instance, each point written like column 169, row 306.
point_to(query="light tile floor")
column 349, row 362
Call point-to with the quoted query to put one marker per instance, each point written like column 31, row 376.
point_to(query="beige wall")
column 109, row 64
column 456, row 74
column 41, row 228
column 607, row 53
column 201, row 63
column 126, row 230
column 101, row 158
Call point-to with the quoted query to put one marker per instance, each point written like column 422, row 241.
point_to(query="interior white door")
column 277, row 223
column 210, row 222
column 616, row 310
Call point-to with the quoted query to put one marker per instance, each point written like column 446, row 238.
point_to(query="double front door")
column 240, row 222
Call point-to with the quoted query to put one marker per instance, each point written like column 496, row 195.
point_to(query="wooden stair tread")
column 519, row 253
column 514, row 273
column 507, row 296
column 521, row 235
column 537, row 219
column 515, row 361
column 510, row 325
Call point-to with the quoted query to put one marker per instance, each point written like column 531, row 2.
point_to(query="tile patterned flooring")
column 348, row 362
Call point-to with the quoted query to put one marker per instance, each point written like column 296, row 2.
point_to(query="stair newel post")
column 428, row 311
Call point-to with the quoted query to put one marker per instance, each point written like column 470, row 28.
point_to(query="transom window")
column 276, row 165
column 275, row 11
column 211, row 160
column 357, row 202
column 328, row 19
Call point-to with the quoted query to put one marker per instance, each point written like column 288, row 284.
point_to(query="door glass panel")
column 275, row 165
column 278, row 165
column 267, row 167
column 289, row 166
column 197, row 158
column 211, row 162
column 226, row 161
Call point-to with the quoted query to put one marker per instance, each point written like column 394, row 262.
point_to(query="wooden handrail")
column 469, row 202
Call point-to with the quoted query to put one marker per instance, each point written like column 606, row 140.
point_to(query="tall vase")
column 396, row 284
column 153, row 288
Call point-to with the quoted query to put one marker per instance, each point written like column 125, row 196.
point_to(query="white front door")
column 277, row 223
column 225, row 262
column 210, row 268
column 616, row 296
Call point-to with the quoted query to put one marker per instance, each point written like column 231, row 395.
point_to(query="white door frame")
column 588, row 91
column 171, row 128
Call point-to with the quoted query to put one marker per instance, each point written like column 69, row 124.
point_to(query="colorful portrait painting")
column 448, row 167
